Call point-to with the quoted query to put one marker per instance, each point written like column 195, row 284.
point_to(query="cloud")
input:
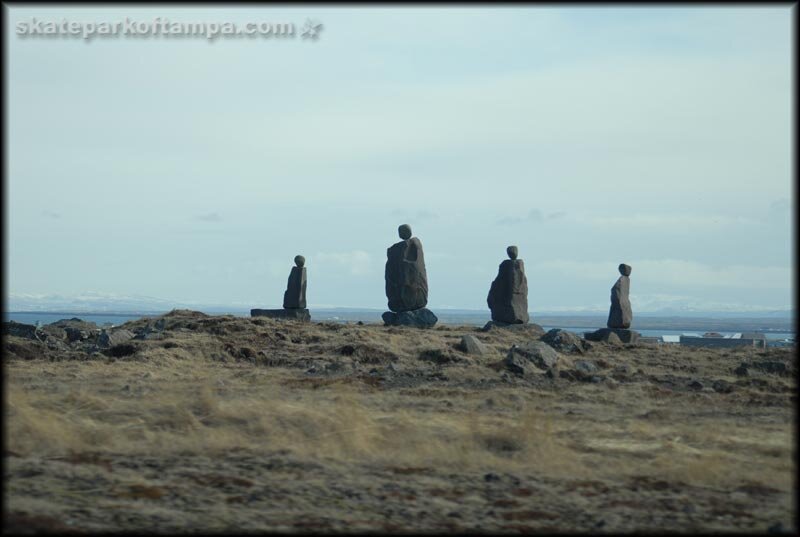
column 418, row 216
column 780, row 206
column 51, row 214
column 209, row 217
column 534, row 215
column 356, row 262
column 672, row 222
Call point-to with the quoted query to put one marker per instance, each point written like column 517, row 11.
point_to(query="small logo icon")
column 311, row 29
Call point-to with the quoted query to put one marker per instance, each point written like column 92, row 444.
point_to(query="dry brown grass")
column 175, row 398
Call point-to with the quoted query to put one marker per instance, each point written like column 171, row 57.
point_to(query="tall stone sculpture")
column 620, row 314
column 508, row 295
column 407, row 283
column 295, row 295
column 294, row 298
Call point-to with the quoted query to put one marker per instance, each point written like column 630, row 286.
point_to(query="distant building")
column 719, row 342
column 761, row 339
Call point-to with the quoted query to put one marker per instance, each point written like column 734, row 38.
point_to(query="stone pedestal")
column 420, row 318
column 625, row 335
column 297, row 314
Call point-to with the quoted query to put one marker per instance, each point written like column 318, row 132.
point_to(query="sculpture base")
column 421, row 318
column 624, row 334
column 522, row 327
column 297, row 314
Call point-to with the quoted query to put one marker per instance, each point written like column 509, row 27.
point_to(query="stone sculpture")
column 508, row 295
column 620, row 314
column 295, row 295
column 294, row 298
column 407, row 283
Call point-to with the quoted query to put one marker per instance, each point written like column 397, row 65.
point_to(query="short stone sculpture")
column 508, row 295
column 407, row 283
column 294, row 298
column 620, row 315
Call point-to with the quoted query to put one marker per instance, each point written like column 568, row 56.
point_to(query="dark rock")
column 109, row 338
column 508, row 294
column 742, row 370
column 406, row 279
column 76, row 334
column 121, row 350
column 534, row 353
column 620, row 315
column 585, row 368
column 722, row 386
column 516, row 364
column 472, row 345
column 696, row 385
column 27, row 331
column 297, row 314
column 295, row 295
column 491, row 477
column 421, row 318
column 774, row 367
column 532, row 329
column 564, row 341
column 613, row 335
column 623, row 370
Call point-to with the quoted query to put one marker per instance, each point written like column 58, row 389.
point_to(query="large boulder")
column 406, row 278
column 23, row 330
column 472, row 345
column 534, row 354
column 420, row 318
column 110, row 338
column 508, row 294
column 75, row 329
column 565, row 341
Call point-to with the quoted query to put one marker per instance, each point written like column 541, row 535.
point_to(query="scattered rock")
column 472, row 345
column 742, row 370
column 774, row 367
column 564, row 341
column 536, row 353
column 721, row 386
column 109, row 338
column 696, row 385
column 585, row 368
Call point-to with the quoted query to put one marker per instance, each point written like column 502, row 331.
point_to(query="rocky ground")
column 192, row 423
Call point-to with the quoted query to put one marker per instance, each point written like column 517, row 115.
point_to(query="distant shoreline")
column 649, row 322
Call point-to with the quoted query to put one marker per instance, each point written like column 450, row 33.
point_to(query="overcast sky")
column 195, row 171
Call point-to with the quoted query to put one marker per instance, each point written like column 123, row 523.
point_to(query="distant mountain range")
column 116, row 303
